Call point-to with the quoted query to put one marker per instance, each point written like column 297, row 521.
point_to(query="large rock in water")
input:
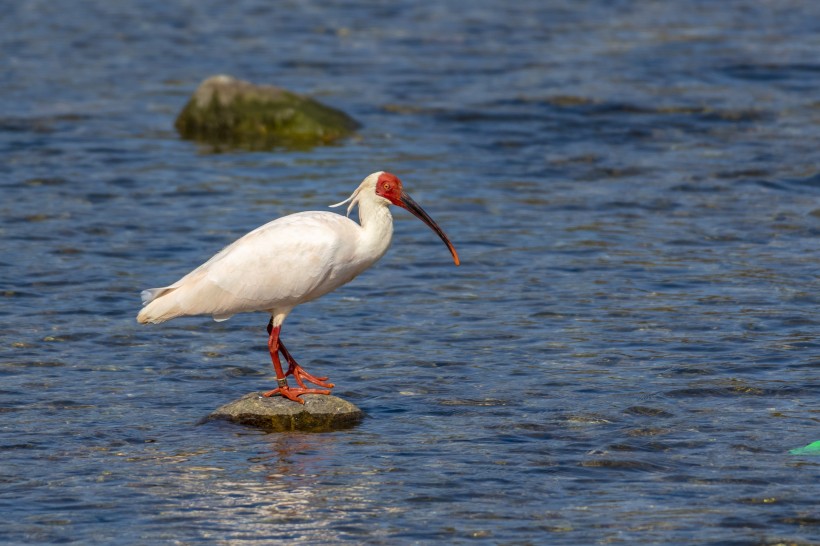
column 226, row 112
column 319, row 413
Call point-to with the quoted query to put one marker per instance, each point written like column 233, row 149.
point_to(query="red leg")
column 291, row 393
column 298, row 372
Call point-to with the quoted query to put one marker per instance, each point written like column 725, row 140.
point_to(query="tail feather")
column 151, row 294
column 158, row 306
column 184, row 299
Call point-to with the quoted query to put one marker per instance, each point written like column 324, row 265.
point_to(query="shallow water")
column 626, row 355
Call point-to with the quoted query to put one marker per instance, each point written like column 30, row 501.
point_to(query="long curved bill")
column 406, row 202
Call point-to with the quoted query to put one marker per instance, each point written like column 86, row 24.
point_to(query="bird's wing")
column 284, row 262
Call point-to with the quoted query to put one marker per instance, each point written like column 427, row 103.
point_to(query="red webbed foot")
column 301, row 376
column 293, row 393
column 299, row 373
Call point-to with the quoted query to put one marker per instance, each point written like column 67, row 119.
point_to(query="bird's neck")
column 377, row 227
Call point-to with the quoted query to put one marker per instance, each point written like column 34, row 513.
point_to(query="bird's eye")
column 386, row 187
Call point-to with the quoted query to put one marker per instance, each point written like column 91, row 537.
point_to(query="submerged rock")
column 319, row 413
column 228, row 112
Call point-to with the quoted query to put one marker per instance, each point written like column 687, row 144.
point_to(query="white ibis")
column 291, row 260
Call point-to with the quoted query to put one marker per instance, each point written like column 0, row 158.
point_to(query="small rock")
column 226, row 112
column 319, row 413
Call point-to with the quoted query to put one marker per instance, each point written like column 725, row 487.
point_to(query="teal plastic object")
column 811, row 449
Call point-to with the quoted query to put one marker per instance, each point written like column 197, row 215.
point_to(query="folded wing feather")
column 285, row 262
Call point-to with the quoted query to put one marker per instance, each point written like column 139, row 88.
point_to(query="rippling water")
column 626, row 355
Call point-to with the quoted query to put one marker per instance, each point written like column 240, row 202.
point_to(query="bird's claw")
column 301, row 376
column 293, row 393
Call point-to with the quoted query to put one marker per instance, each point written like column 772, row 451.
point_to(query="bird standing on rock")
column 291, row 260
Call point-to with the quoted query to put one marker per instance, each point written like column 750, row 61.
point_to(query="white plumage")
column 289, row 261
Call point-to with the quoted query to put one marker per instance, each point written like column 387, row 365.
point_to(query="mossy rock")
column 229, row 113
column 319, row 413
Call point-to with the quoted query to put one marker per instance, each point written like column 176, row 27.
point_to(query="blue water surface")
column 626, row 355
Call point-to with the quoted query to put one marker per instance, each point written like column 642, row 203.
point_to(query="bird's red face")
column 389, row 187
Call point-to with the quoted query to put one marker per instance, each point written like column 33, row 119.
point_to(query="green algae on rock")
column 319, row 413
column 226, row 112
